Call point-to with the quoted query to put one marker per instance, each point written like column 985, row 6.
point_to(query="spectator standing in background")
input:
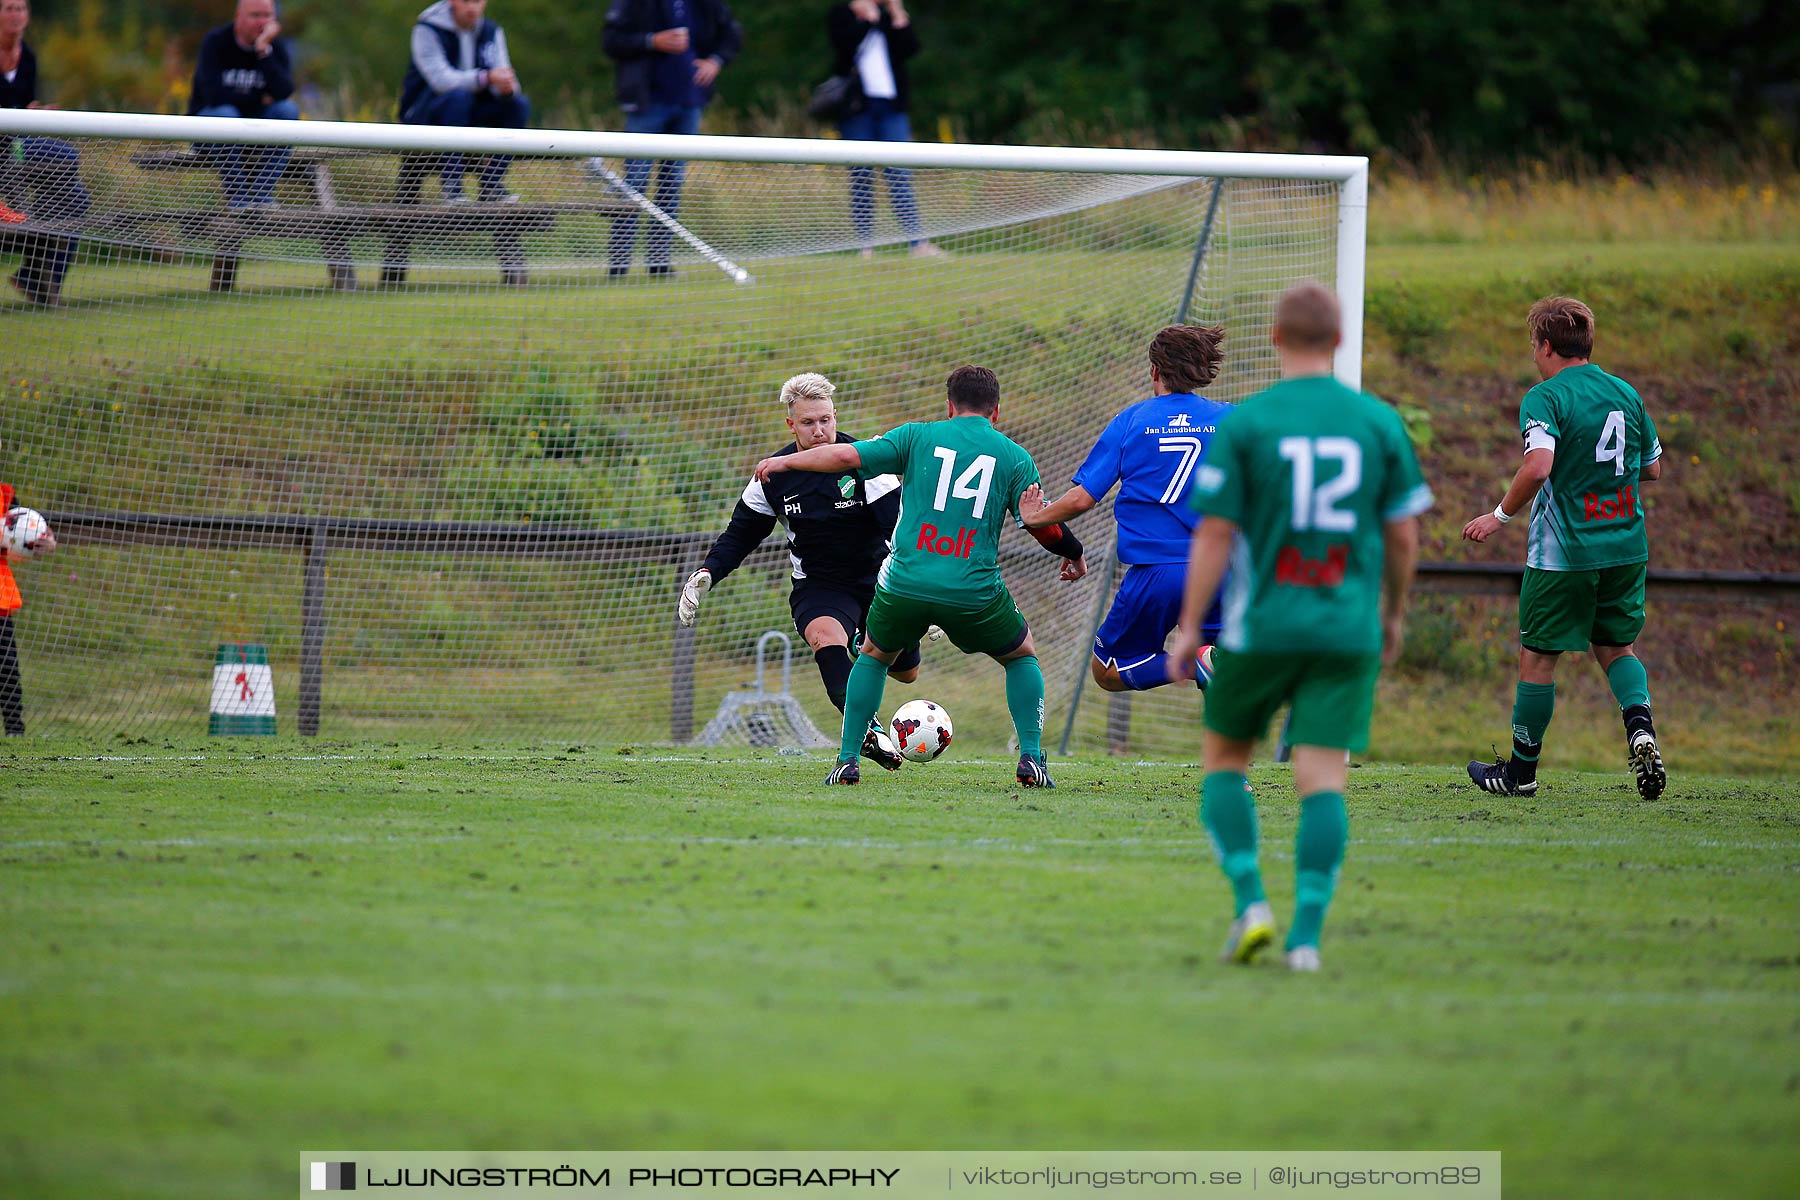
column 667, row 56
column 871, row 42
column 41, row 176
column 462, row 74
column 245, row 71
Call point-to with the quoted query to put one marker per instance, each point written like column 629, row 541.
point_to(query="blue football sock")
column 1153, row 672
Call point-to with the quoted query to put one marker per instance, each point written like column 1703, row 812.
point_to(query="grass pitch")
column 213, row 955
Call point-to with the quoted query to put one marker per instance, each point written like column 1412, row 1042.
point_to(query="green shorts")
column 997, row 627
column 1332, row 696
column 1568, row 610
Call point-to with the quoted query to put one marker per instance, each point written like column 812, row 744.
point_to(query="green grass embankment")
column 479, row 419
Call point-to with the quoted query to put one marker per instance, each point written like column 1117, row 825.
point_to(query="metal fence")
column 314, row 539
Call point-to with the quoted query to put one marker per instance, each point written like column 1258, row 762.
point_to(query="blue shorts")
column 1147, row 607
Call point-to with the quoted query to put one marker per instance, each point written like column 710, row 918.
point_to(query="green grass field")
column 215, row 954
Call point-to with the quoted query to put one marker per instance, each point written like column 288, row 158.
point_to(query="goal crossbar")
column 350, row 135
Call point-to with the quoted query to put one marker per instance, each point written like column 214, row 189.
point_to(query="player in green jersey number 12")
column 1588, row 444
column 1312, row 493
column 960, row 480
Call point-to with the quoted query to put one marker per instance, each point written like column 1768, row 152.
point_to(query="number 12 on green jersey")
column 1316, row 505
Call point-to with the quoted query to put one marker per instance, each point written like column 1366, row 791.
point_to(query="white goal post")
column 1351, row 172
column 446, row 498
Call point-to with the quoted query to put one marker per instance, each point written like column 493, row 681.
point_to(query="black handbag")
column 833, row 98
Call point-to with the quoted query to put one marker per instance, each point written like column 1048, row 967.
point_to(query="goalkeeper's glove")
column 934, row 633
column 697, row 585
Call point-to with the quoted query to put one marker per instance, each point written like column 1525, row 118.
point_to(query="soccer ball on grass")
column 921, row 730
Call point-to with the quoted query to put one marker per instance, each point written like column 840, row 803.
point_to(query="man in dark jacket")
column 462, row 74
column 245, row 71
column 668, row 53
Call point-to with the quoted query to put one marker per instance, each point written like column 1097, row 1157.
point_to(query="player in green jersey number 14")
column 960, row 480
column 1588, row 444
column 1312, row 493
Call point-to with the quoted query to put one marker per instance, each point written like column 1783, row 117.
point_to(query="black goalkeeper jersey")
column 838, row 526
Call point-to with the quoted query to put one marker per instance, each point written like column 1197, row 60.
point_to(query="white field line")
column 123, row 980
column 228, row 843
column 1183, row 843
column 594, row 755
column 600, row 754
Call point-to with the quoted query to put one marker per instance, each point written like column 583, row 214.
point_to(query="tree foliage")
column 1612, row 79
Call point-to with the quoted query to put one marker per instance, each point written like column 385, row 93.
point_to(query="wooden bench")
column 228, row 230
column 332, row 224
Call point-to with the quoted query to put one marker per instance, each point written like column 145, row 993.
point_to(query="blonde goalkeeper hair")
column 809, row 385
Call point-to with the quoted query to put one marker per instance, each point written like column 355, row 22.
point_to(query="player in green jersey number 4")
column 1311, row 492
column 960, row 480
column 1588, row 444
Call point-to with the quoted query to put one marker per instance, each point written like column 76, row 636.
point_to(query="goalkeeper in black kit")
column 838, row 530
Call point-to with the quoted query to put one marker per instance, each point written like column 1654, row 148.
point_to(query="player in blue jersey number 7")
column 1588, row 444
column 1312, row 493
column 960, row 479
column 1150, row 451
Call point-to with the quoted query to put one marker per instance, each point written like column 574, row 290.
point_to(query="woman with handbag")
column 871, row 42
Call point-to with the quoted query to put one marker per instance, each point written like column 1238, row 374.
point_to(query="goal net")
column 410, row 464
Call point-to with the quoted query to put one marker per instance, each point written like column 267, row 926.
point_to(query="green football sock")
column 1318, row 852
column 1025, row 701
column 862, row 697
column 1230, row 817
column 1533, row 704
column 1630, row 682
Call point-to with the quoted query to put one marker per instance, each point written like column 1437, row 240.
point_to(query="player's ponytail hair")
column 809, row 385
column 1188, row 357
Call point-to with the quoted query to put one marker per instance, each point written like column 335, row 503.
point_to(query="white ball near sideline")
column 25, row 528
column 921, row 730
